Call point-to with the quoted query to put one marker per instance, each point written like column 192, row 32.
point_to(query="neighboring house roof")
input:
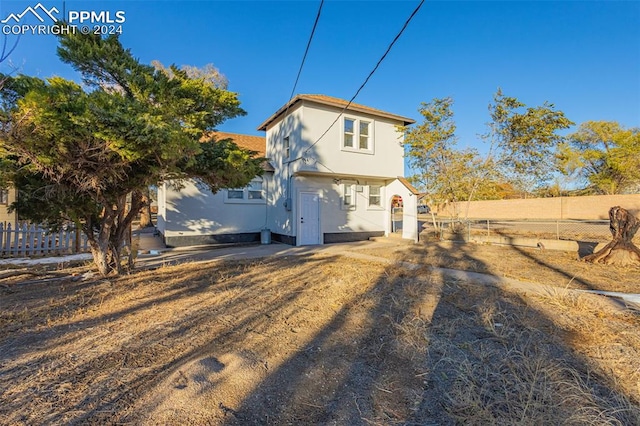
column 410, row 187
column 335, row 102
column 252, row 143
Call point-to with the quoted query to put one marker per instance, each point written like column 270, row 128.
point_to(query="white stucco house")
column 334, row 175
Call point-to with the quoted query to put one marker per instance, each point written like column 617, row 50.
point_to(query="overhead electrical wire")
column 395, row 39
column 304, row 57
column 293, row 90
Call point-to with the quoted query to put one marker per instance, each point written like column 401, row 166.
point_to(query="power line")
column 304, row 57
column 295, row 84
column 366, row 80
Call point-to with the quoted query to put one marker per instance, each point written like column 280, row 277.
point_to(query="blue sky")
column 582, row 56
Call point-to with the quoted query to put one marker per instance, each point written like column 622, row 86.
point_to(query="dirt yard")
column 322, row 339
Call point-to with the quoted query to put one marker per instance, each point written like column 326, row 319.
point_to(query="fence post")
column 557, row 229
column 16, row 239
column 393, row 219
column 59, row 242
column 8, row 239
column 67, row 236
column 35, row 239
column 47, row 241
column 488, row 231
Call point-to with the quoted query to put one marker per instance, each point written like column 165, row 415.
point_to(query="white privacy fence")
column 31, row 240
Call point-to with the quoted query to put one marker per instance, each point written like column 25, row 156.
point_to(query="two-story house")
column 334, row 173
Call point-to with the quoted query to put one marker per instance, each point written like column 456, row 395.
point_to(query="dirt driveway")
column 321, row 339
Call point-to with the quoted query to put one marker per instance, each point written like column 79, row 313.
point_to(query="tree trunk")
column 145, row 213
column 111, row 237
column 620, row 251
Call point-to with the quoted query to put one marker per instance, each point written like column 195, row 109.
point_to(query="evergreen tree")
column 89, row 155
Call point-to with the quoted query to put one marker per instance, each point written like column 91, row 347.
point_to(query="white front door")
column 309, row 219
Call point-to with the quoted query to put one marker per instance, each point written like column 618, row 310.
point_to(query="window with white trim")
column 287, row 148
column 4, row 196
column 365, row 126
column 348, row 196
column 349, row 131
column 375, row 196
column 252, row 193
column 254, row 190
column 357, row 135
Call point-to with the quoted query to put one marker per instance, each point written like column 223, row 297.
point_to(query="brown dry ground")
column 323, row 339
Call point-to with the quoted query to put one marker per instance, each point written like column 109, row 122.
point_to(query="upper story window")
column 364, row 134
column 357, row 135
column 252, row 193
column 349, row 130
column 287, row 147
column 4, row 196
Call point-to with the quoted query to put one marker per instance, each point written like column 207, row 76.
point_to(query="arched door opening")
column 396, row 206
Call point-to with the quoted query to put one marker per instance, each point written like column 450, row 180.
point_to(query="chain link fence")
column 596, row 231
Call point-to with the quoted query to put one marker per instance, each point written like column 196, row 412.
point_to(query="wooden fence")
column 31, row 240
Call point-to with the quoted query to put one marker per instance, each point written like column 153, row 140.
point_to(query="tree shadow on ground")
column 325, row 340
column 48, row 352
column 571, row 278
column 418, row 348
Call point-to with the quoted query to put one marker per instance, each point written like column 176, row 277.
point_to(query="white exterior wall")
column 194, row 211
column 386, row 160
column 410, row 209
column 161, row 219
column 333, row 218
column 281, row 220
column 305, row 123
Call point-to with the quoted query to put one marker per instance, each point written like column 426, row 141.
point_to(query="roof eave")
column 278, row 113
column 405, row 120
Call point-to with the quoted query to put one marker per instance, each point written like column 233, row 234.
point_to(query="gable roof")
column 408, row 185
column 334, row 102
column 252, row 143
